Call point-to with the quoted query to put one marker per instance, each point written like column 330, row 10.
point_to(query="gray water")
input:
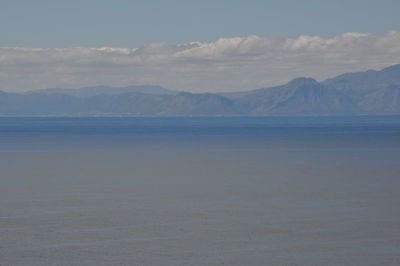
column 200, row 191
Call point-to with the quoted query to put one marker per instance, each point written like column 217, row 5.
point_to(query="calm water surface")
column 200, row 191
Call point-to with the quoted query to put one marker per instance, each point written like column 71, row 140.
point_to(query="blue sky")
column 123, row 23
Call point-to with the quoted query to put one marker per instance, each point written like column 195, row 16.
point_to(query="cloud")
column 228, row 64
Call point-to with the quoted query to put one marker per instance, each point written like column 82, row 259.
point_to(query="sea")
column 200, row 190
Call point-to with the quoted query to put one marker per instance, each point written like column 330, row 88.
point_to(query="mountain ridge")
column 96, row 90
column 370, row 92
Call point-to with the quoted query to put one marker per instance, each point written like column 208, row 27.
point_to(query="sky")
column 191, row 45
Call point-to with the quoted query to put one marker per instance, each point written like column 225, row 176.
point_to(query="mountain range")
column 371, row 92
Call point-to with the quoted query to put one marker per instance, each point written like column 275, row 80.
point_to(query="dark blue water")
column 364, row 132
column 203, row 126
column 200, row 191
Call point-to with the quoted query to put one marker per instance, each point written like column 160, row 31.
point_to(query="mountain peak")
column 297, row 82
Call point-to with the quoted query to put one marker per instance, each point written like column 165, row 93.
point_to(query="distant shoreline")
column 196, row 116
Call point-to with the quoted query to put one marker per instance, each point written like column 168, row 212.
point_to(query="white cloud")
column 228, row 64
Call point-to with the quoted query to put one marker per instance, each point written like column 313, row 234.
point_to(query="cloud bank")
column 228, row 64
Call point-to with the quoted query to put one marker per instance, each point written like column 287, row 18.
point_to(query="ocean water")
column 200, row 191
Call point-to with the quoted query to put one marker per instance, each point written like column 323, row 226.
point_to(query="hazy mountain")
column 383, row 100
column 37, row 104
column 370, row 92
column 97, row 90
column 203, row 104
column 307, row 96
column 366, row 81
column 126, row 104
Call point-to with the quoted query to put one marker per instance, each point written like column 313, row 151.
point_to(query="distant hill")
column 366, row 81
column 93, row 91
column 371, row 92
column 301, row 95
